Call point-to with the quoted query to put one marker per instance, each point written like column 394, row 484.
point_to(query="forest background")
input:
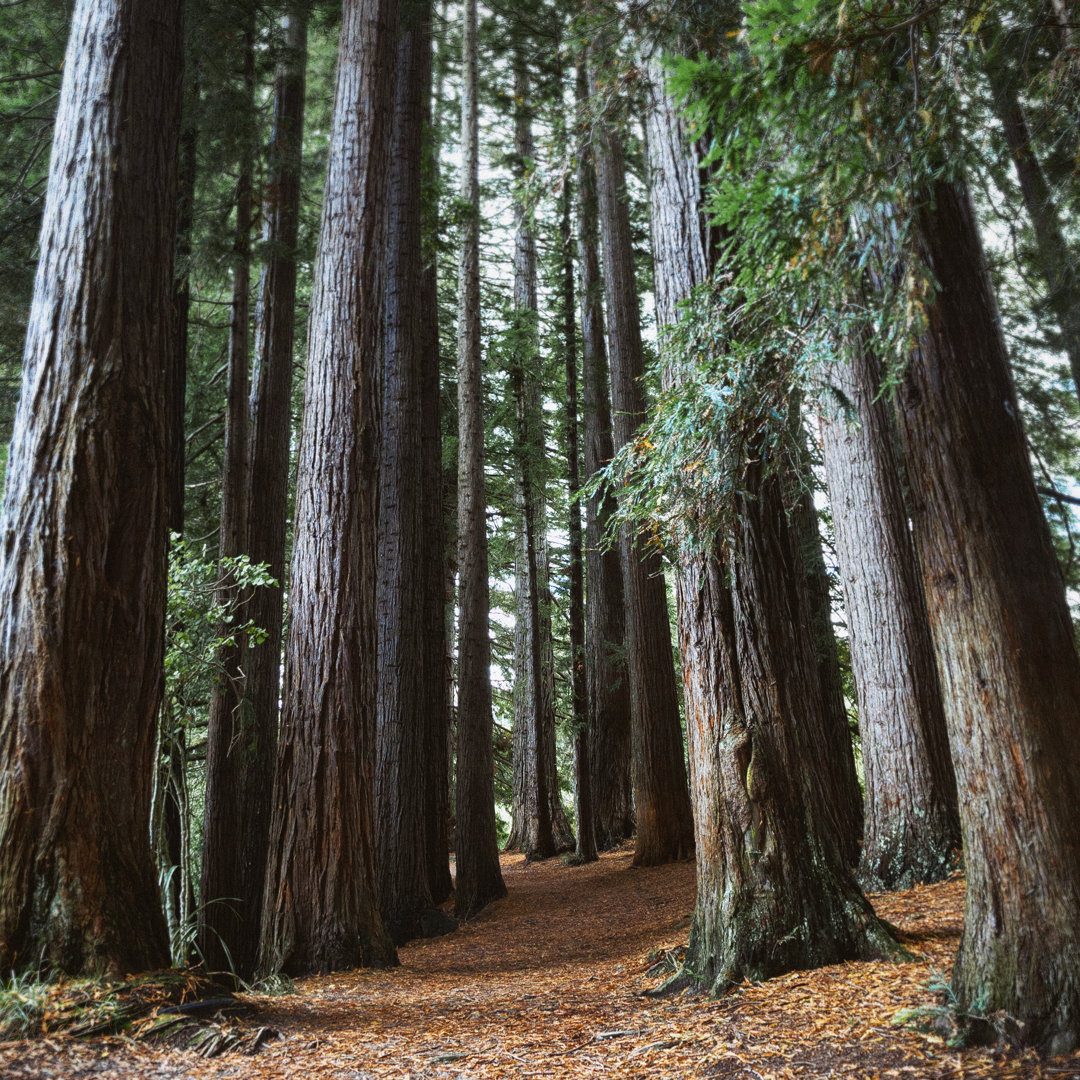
column 988, row 93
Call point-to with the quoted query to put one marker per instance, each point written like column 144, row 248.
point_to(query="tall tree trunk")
column 606, row 676
column 774, row 888
column 246, row 770
column 911, row 825
column 231, row 894
column 172, row 738
column 320, row 909
column 436, row 709
column 82, row 607
column 583, row 804
column 479, row 877
column 531, row 827
column 1055, row 261
column 1004, row 643
column 836, row 757
column 400, row 821
column 665, row 828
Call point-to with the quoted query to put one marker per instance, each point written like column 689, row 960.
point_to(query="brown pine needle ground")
column 548, row 982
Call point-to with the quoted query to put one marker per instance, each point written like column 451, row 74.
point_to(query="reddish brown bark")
column 479, row 878
column 320, row 910
column 236, row 790
column 84, row 517
column 661, row 799
column 607, row 680
column 400, row 825
column 1004, row 642
column 911, row 828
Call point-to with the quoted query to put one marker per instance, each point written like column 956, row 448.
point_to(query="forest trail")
column 548, row 983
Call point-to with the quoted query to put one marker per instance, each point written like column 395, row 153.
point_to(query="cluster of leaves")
column 823, row 126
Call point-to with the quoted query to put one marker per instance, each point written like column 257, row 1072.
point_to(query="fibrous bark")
column 270, row 412
column 535, row 786
column 82, row 606
column 1004, row 643
column 234, row 831
column 911, row 826
column 320, row 908
column 607, row 680
column 583, row 801
column 400, row 826
column 835, row 754
column 774, row 888
column 435, row 619
column 661, row 799
column 479, row 878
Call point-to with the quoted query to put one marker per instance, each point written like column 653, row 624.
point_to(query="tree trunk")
column 479, row 878
column 436, row 710
column 82, row 607
column 774, row 889
column 171, row 737
column 583, row 804
column 534, row 722
column 1004, row 643
column 661, row 799
column 606, row 677
column 836, row 770
column 320, row 908
column 911, row 826
column 402, row 751
column 1055, row 261
column 233, row 854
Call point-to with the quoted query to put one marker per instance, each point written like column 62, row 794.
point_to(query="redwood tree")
column 606, row 677
column 84, row 516
column 267, row 493
column 1004, row 642
column 320, row 910
column 239, row 757
column 774, row 888
column 479, row 877
column 911, row 824
column 401, row 755
column 661, row 799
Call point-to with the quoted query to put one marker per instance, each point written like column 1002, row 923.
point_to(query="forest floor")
column 549, row 983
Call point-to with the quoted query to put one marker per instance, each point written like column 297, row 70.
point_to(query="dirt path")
column 547, row 983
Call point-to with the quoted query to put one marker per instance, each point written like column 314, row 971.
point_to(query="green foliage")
column 23, row 1003
column 204, row 614
column 823, row 128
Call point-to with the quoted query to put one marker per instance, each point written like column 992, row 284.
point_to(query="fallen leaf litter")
column 549, row 982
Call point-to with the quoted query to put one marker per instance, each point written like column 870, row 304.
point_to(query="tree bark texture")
column 234, row 844
column 579, row 695
column 836, row 757
column 82, row 606
column 176, row 379
column 1056, row 263
column 400, row 826
column 774, row 889
column 436, row 710
column 534, row 782
column 661, row 799
column 911, row 828
column 479, row 877
column 320, row 908
column 1004, row 643
column 606, row 676
column 270, row 415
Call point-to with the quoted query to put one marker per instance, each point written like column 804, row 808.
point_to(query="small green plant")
column 23, row 1003
column 957, row 1025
